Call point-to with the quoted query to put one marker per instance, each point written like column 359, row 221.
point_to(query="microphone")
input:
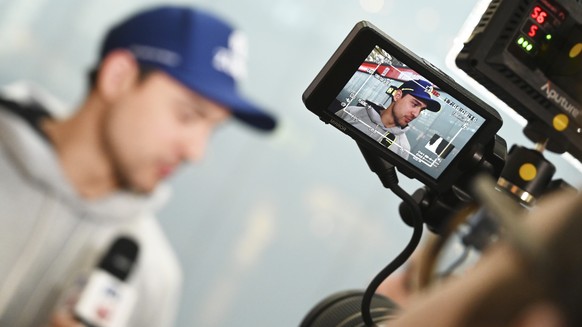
column 343, row 309
column 107, row 300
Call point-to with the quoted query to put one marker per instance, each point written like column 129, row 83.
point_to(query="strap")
column 33, row 113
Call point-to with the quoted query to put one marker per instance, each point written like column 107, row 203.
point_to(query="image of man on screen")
column 389, row 125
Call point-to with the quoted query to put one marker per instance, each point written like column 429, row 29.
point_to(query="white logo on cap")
column 429, row 90
column 233, row 60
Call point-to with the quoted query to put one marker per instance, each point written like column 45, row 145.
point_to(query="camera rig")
column 528, row 53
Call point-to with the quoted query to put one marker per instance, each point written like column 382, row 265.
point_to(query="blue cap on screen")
column 195, row 47
column 421, row 90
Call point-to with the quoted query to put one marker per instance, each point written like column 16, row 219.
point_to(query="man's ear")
column 397, row 95
column 541, row 315
column 119, row 71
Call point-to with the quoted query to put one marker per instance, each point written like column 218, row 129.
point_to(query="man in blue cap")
column 389, row 126
column 166, row 78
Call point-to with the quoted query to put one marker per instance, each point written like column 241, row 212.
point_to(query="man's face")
column 406, row 108
column 156, row 126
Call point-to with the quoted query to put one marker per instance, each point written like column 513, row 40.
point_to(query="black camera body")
column 364, row 81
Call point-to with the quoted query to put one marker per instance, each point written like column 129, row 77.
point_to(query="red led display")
column 539, row 14
column 538, row 27
column 533, row 31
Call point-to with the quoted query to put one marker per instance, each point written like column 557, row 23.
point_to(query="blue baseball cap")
column 421, row 90
column 200, row 50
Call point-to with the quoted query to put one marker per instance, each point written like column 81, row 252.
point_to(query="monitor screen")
column 405, row 112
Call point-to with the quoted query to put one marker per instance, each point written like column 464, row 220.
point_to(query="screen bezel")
column 343, row 64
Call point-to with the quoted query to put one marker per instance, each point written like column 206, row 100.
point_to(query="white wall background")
column 265, row 226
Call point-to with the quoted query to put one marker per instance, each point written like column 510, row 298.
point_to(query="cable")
column 387, row 174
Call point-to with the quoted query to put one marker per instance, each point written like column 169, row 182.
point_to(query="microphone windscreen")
column 343, row 309
column 120, row 258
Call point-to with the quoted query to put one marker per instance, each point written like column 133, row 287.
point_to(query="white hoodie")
column 50, row 236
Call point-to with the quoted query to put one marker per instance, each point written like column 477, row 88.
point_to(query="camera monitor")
column 402, row 107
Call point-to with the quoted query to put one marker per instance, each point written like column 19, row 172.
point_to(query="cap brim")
column 431, row 104
column 241, row 108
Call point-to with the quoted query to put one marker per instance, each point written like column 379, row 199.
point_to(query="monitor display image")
column 405, row 112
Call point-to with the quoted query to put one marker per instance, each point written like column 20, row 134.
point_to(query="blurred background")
column 266, row 225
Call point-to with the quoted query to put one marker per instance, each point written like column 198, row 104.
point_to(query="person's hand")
column 64, row 319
